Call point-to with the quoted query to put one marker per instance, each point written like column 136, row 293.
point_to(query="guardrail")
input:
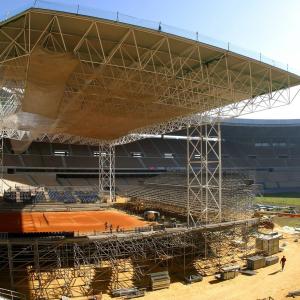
column 11, row 295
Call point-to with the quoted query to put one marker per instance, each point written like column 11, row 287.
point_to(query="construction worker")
column 283, row 261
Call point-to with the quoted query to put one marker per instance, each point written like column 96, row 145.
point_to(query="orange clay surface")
column 82, row 222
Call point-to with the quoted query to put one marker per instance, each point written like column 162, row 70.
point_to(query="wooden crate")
column 256, row 262
column 160, row 280
column 229, row 272
column 269, row 245
column 272, row 260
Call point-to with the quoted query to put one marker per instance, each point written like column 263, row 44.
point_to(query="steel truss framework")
column 107, row 171
column 82, row 267
column 184, row 80
column 1, row 162
column 224, row 86
column 214, row 88
column 204, row 174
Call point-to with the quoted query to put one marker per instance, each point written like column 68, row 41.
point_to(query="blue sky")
column 271, row 27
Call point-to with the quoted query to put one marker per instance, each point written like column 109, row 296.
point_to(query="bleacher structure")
column 73, row 84
column 55, row 194
column 168, row 193
column 274, row 163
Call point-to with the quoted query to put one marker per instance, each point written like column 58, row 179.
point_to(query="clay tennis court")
column 82, row 222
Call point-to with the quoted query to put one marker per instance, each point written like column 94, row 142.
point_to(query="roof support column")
column 107, row 172
column 204, row 174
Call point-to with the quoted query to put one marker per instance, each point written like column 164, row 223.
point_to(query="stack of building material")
column 271, row 260
column 256, row 262
column 124, row 292
column 229, row 272
column 294, row 293
column 160, row 280
column 248, row 272
column 137, row 294
column 268, row 244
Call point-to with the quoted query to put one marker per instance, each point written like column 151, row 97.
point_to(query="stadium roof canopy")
column 68, row 75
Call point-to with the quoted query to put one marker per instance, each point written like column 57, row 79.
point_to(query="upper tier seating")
column 262, row 148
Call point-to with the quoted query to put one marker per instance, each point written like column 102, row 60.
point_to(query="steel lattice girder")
column 137, row 79
column 107, row 171
column 204, row 174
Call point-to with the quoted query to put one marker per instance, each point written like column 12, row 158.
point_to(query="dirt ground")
column 269, row 281
column 82, row 222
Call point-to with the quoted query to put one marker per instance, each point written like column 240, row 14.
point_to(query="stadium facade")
column 267, row 150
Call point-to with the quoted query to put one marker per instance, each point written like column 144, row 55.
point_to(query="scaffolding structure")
column 133, row 82
column 169, row 194
column 125, row 87
column 204, row 174
column 107, row 172
column 1, row 162
column 83, row 266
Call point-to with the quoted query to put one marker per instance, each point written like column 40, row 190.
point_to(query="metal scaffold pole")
column 1, row 162
column 71, row 267
column 220, row 169
column 188, row 210
column 204, row 174
column 10, row 264
column 107, row 172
